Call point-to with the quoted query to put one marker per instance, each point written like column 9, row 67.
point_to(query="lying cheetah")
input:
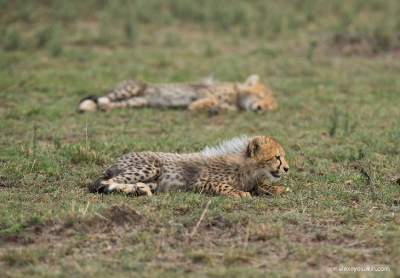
column 209, row 95
column 234, row 168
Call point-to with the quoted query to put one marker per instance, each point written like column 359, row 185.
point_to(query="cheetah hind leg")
column 203, row 104
column 113, row 180
column 105, row 104
column 136, row 189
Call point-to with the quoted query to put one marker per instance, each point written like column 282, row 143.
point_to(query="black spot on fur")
column 143, row 87
column 111, row 172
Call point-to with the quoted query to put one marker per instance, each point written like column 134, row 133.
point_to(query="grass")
column 334, row 71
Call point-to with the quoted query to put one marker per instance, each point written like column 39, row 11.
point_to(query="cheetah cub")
column 205, row 95
column 234, row 168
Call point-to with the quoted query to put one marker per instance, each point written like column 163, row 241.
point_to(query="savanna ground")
column 334, row 68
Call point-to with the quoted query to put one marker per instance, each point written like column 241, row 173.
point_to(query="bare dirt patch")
column 218, row 240
column 113, row 220
column 5, row 182
column 365, row 44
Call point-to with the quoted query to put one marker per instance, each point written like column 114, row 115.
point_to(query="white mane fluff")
column 233, row 146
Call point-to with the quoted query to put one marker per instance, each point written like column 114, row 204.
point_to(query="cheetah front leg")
column 203, row 104
column 224, row 189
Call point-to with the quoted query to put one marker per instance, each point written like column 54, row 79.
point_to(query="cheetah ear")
column 253, row 147
column 252, row 80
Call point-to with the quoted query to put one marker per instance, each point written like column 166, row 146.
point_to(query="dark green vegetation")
column 334, row 67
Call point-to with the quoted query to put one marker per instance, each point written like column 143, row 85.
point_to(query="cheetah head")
column 267, row 158
column 255, row 96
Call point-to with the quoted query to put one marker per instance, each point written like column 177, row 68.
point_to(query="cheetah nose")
column 286, row 169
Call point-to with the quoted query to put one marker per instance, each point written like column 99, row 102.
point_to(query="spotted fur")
column 234, row 168
column 208, row 94
column 233, row 146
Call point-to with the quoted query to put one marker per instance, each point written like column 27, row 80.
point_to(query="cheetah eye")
column 278, row 157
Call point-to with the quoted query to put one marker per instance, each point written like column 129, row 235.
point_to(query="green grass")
column 333, row 68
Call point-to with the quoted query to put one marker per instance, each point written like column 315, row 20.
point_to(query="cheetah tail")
column 98, row 186
column 88, row 104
